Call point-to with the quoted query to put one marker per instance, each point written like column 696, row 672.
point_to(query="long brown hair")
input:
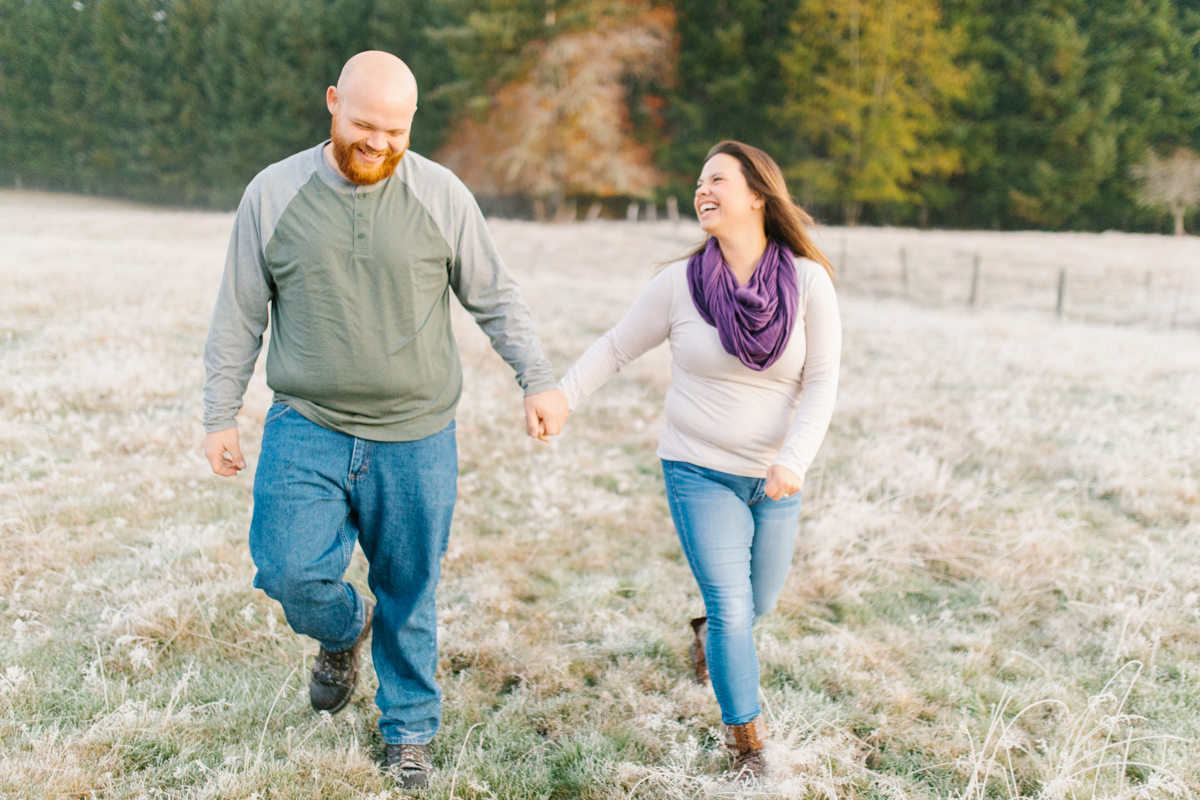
column 783, row 219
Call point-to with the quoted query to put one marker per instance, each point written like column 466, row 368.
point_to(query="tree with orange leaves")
column 562, row 126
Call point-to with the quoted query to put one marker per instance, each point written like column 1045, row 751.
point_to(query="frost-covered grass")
column 995, row 592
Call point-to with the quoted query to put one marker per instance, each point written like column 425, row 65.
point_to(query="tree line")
column 960, row 113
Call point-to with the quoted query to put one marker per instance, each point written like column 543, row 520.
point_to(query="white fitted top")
column 721, row 414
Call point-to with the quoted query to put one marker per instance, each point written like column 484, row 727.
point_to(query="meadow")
column 996, row 590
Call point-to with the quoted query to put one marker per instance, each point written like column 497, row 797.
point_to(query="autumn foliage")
column 563, row 127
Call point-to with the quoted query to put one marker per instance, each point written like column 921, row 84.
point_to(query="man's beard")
column 355, row 172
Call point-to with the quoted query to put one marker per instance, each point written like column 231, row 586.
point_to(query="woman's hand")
column 781, row 482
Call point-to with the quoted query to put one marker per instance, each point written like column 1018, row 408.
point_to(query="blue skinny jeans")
column 739, row 544
column 315, row 493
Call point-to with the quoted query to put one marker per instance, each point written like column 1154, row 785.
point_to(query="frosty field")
column 996, row 591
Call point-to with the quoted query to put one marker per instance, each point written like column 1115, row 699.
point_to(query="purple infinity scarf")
column 754, row 321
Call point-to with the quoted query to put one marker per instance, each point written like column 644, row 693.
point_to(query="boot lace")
column 333, row 667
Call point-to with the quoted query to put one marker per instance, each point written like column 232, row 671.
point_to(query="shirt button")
column 362, row 195
column 360, row 213
column 362, row 236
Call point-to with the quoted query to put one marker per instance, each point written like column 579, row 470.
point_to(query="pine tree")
column 728, row 80
column 1070, row 96
column 869, row 90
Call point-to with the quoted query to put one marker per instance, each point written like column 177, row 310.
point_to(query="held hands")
column 781, row 482
column 545, row 414
column 224, row 453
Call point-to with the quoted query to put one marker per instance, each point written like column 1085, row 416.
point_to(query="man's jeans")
column 739, row 544
column 315, row 493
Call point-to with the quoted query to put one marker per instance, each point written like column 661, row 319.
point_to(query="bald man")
column 352, row 249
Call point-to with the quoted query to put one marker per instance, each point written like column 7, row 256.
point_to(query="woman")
column 755, row 337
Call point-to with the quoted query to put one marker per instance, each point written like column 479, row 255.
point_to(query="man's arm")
column 486, row 289
column 234, row 339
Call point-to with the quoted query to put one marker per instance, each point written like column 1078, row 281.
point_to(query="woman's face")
column 723, row 200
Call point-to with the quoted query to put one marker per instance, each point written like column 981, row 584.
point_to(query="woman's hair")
column 783, row 220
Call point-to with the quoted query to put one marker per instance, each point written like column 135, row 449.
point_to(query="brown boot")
column 748, row 740
column 334, row 675
column 696, row 650
column 408, row 764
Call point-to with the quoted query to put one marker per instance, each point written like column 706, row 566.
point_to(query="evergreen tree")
column 1071, row 95
column 185, row 100
column 869, row 90
column 50, row 119
column 728, row 80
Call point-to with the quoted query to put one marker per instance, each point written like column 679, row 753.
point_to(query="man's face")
column 369, row 132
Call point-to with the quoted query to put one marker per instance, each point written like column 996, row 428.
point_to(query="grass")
column 995, row 593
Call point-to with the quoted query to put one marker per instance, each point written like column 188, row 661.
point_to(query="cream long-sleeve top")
column 721, row 414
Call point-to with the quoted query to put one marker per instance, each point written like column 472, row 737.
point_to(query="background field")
column 995, row 592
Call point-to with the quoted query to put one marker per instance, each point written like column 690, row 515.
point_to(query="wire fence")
column 1113, row 278
column 1124, row 279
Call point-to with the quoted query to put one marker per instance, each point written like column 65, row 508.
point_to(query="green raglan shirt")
column 357, row 281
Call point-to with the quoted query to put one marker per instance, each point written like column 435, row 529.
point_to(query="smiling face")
column 372, row 107
column 724, row 202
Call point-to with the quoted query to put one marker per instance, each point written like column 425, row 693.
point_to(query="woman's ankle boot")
column 696, row 651
column 748, row 741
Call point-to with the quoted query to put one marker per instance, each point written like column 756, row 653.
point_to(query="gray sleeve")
column 484, row 287
column 236, row 333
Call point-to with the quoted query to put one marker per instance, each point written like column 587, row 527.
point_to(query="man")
column 353, row 247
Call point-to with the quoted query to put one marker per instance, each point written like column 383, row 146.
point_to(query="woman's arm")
column 644, row 327
column 823, row 356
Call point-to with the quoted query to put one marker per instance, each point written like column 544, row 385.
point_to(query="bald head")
column 380, row 75
column 372, row 106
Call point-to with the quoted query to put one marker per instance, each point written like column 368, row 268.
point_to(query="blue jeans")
column 315, row 493
column 739, row 544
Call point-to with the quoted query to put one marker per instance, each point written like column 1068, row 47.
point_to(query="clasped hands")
column 545, row 414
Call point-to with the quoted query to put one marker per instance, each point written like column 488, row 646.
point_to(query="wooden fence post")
column 1062, row 292
column 631, row 214
column 974, row 283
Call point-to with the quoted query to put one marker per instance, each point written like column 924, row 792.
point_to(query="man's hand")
column 781, row 482
column 545, row 414
column 223, row 452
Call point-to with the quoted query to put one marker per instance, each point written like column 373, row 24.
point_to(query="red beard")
column 344, row 153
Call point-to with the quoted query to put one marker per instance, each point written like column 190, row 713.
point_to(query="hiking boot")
column 334, row 675
column 408, row 764
column 696, row 650
column 748, row 741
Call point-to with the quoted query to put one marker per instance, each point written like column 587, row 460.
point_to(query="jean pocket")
column 276, row 411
